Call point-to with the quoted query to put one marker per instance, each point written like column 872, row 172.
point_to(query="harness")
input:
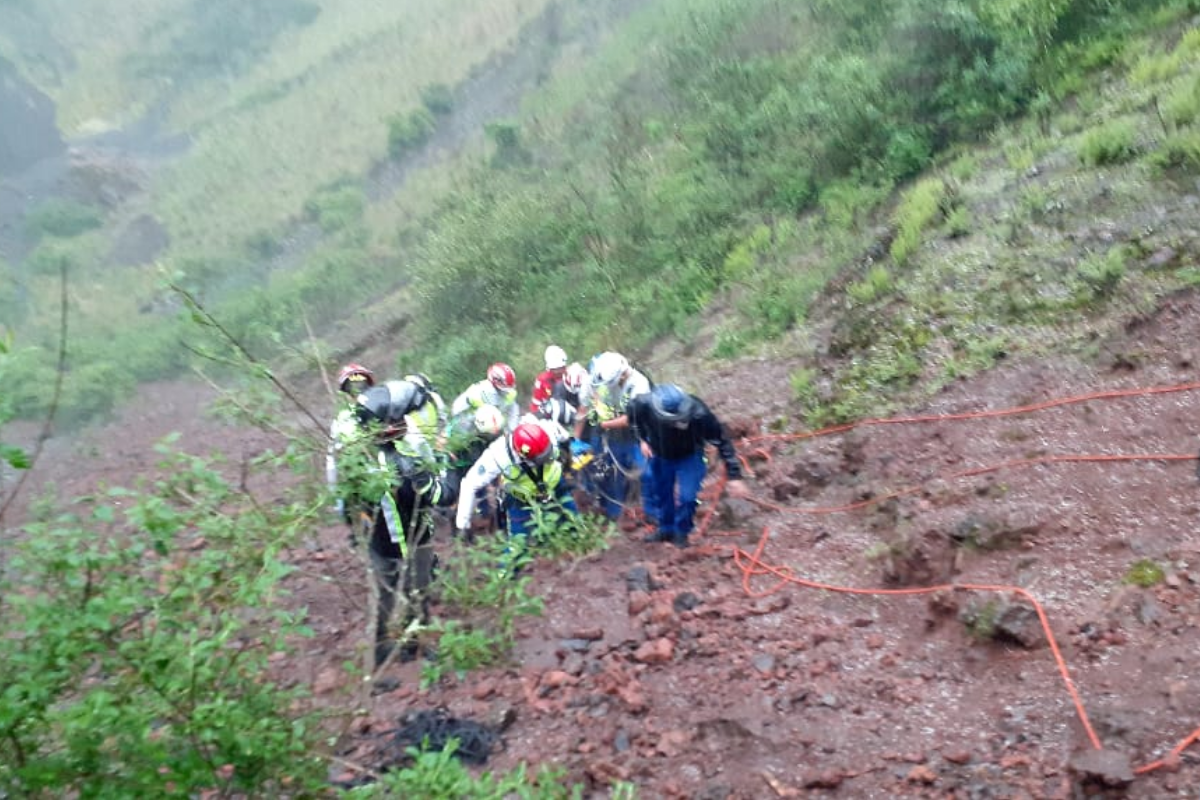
column 529, row 486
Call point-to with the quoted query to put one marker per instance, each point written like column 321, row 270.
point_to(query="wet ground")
column 690, row 675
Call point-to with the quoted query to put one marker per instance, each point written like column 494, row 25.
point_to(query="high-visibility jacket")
column 527, row 483
column 484, row 393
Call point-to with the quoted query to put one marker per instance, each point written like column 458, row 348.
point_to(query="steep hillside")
column 967, row 396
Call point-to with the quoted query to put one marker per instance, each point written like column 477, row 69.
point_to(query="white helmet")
column 607, row 367
column 489, row 420
column 575, row 377
column 556, row 357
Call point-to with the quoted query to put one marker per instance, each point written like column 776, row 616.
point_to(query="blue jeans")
column 614, row 488
column 676, row 516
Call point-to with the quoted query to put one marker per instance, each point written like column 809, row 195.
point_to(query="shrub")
column 63, row 218
column 921, row 205
column 440, row 774
column 730, row 343
column 437, row 98
column 1145, row 573
column 337, row 206
column 1179, row 152
column 1113, row 143
column 1182, row 107
column 877, row 283
column 147, row 676
column 1102, row 274
column 408, row 131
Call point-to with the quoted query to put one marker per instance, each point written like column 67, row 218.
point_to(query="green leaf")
column 15, row 456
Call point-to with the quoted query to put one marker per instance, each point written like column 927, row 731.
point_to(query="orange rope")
column 752, row 565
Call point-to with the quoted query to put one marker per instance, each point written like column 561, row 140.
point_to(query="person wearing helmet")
column 465, row 443
column 433, row 415
column 547, row 382
column 394, row 463
column 674, row 427
column 498, row 389
column 575, row 377
column 526, row 465
column 352, row 380
column 612, row 384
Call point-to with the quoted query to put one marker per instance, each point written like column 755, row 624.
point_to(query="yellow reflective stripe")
column 522, row 487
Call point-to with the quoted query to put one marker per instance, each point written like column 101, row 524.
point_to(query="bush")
column 408, row 131
column 921, row 205
column 1113, row 143
column 337, row 206
column 1182, row 107
column 147, row 674
column 1102, row 274
column 1179, row 152
column 63, row 218
column 437, row 98
column 1144, row 572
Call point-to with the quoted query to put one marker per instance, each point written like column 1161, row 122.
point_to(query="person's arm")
column 485, row 470
column 713, row 432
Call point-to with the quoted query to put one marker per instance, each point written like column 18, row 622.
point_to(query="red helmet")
column 530, row 441
column 351, row 371
column 502, row 376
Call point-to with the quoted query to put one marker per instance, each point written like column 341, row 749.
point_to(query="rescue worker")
column 499, row 389
column 465, row 444
column 433, row 416
column 569, row 389
column 352, row 380
column 573, row 453
column 673, row 428
column 400, row 469
column 530, row 474
column 611, row 386
column 545, row 384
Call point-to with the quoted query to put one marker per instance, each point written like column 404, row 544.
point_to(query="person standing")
column 531, row 475
column 673, row 428
column 549, row 381
column 612, row 385
column 397, row 465
column 352, row 380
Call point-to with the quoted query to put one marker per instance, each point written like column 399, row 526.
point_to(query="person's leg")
column 662, row 481
column 385, row 571
column 651, row 503
column 614, row 487
column 691, row 473
column 519, row 519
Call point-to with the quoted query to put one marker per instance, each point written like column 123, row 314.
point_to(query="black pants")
column 388, row 563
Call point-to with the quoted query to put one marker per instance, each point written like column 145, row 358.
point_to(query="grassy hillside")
column 725, row 154
column 756, row 151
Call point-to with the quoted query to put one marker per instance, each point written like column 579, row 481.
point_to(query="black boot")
column 658, row 536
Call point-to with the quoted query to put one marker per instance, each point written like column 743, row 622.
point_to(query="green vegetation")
column 441, row 774
column 63, row 218
column 147, row 676
column 408, row 131
column 731, row 151
column 492, row 598
column 1145, row 572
